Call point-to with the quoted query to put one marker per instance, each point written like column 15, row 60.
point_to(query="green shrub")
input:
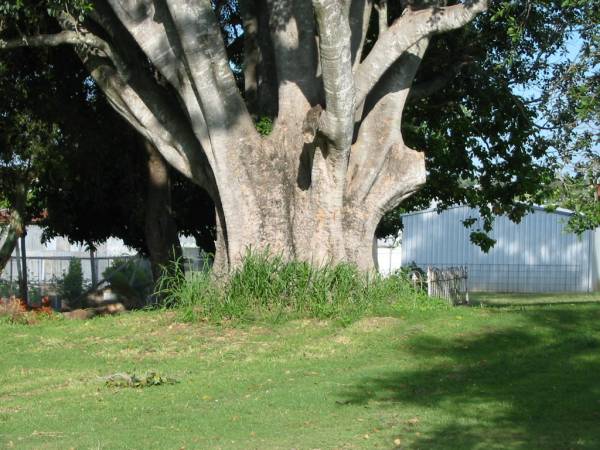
column 6, row 288
column 266, row 287
column 35, row 295
column 130, row 279
column 264, row 126
column 70, row 287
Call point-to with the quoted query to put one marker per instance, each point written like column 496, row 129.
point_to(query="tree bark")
column 93, row 268
column 335, row 162
column 15, row 228
column 9, row 238
column 283, row 218
column 160, row 227
column 24, row 281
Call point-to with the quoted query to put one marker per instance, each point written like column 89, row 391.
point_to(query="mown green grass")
column 454, row 378
column 493, row 299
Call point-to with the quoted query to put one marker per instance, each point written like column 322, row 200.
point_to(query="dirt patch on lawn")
column 369, row 324
column 343, row 340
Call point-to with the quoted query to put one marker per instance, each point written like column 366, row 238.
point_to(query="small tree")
column 71, row 286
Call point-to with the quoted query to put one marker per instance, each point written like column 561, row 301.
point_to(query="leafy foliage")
column 518, row 109
column 71, row 285
column 33, row 14
column 129, row 278
column 578, row 193
column 264, row 126
column 28, row 136
column 519, row 104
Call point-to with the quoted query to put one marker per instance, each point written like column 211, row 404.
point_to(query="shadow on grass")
column 534, row 386
column 540, row 299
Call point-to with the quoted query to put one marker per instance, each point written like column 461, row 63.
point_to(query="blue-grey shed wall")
column 536, row 255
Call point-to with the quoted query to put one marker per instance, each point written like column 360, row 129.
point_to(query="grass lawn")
column 490, row 299
column 525, row 377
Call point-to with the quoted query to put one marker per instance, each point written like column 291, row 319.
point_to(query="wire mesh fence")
column 522, row 278
column 44, row 272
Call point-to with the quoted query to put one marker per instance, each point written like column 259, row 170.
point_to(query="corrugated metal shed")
column 536, row 255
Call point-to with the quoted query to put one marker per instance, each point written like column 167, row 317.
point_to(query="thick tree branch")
column 403, row 174
column 53, row 40
column 138, row 99
column 405, row 32
column 260, row 77
column 186, row 47
column 427, row 88
column 169, row 108
column 110, row 72
column 134, row 109
column 208, row 66
column 292, row 26
column 336, row 122
column 382, row 11
column 360, row 15
column 143, row 101
column 80, row 36
column 380, row 131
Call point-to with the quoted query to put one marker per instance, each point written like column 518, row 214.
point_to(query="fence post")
column 467, row 284
column 24, row 290
column 429, row 282
column 449, row 283
column 11, row 276
column 93, row 267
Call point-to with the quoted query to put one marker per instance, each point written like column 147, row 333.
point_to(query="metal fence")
column 43, row 272
column 522, row 278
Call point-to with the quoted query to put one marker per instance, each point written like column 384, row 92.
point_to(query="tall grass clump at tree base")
column 268, row 287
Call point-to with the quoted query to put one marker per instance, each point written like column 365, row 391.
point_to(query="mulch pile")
column 19, row 311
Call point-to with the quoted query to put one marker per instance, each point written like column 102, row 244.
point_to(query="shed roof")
column 547, row 209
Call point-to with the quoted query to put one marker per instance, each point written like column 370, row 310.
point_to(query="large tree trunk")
column 160, row 227
column 15, row 228
column 292, row 207
column 24, row 279
column 9, row 237
column 317, row 186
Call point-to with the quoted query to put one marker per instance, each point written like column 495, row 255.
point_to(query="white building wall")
column 536, row 255
column 389, row 258
column 50, row 260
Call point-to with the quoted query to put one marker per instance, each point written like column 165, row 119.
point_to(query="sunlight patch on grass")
column 468, row 378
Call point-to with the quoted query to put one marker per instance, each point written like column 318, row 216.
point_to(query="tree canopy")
column 81, row 168
column 502, row 98
column 513, row 107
